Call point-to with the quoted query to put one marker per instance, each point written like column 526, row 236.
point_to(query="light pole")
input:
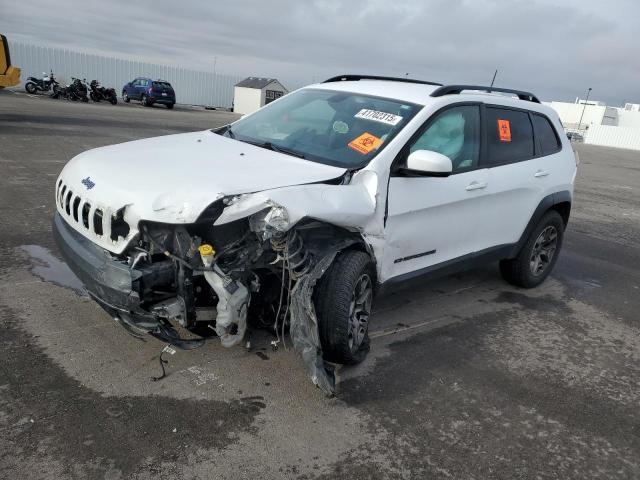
column 583, row 108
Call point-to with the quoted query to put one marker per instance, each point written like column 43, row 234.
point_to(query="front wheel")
column 30, row 87
column 113, row 99
column 94, row 97
column 343, row 299
column 536, row 259
column 125, row 97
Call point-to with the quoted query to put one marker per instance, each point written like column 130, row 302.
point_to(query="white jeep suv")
column 294, row 215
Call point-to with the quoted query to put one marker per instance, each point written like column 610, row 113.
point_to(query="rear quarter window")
column 546, row 135
column 509, row 136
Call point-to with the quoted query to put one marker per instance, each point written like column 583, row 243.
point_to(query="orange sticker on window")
column 365, row 143
column 504, row 130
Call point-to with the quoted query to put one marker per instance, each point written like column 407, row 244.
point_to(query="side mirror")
column 429, row 163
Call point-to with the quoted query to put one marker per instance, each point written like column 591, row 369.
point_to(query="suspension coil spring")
column 296, row 255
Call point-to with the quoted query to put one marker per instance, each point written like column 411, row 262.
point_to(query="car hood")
column 172, row 179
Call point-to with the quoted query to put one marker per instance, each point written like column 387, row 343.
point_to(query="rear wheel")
column 539, row 254
column 343, row 300
column 170, row 105
column 144, row 101
column 30, row 87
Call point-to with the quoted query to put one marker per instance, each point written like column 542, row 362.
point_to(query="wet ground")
column 467, row 377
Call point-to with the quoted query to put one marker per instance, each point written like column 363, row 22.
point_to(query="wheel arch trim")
column 559, row 201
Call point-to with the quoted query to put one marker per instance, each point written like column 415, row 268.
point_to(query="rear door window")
column 545, row 135
column 509, row 136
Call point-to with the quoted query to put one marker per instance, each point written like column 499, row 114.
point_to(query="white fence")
column 611, row 136
column 191, row 86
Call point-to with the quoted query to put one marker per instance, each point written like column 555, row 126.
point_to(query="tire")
column 113, row 99
column 94, row 97
column 536, row 259
column 351, row 275
column 125, row 97
column 144, row 101
column 85, row 99
column 170, row 105
column 31, row 88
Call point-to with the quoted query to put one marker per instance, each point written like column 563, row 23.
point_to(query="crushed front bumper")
column 115, row 286
column 108, row 281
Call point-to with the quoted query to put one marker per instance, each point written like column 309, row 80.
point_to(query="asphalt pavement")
column 468, row 377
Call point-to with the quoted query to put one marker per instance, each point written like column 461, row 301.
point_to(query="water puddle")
column 48, row 268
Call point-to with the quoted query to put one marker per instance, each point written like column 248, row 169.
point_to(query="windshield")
column 335, row 128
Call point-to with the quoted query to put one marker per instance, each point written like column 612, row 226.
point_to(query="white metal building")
column 602, row 125
column 595, row 113
column 254, row 92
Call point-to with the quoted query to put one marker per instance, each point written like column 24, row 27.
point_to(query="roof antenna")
column 494, row 77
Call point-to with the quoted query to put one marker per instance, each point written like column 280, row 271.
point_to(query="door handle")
column 476, row 186
column 541, row 173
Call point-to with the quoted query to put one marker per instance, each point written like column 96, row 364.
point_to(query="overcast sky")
column 556, row 49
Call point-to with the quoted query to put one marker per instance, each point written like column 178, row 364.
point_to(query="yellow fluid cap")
column 206, row 250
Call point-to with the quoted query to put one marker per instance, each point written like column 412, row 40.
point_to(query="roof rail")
column 352, row 78
column 457, row 89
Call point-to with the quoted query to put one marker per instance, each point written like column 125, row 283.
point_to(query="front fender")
column 341, row 205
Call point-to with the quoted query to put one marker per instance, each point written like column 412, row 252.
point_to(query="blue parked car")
column 149, row 92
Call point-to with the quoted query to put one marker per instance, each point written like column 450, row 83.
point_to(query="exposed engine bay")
column 249, row 273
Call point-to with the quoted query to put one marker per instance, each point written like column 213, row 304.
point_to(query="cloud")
column 555, row 50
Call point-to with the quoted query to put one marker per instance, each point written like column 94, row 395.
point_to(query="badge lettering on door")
column 365, row 143
column 504, row 130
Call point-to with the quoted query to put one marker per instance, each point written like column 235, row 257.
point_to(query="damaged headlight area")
column 258, row 271
column 269, row 222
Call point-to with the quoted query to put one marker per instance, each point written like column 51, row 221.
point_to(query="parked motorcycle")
column 77, row 90
column 98, row 92
column 61, row 92
column 45, row 84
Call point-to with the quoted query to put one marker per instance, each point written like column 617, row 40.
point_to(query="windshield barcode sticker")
column 382, row 117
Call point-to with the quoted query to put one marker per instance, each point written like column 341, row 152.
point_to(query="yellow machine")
column 9, row 75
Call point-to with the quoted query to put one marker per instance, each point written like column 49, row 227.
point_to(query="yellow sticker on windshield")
column 365, row 143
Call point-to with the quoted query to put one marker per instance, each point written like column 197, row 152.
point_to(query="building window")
column 271, row 95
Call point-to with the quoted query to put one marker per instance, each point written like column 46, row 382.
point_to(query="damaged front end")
column 246, row 259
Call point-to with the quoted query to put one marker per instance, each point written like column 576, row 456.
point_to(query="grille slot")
column 107, row 229
column 76, row 204
column 97, row 221
column 67, row 202
column 85, row 214
column 61, row 196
